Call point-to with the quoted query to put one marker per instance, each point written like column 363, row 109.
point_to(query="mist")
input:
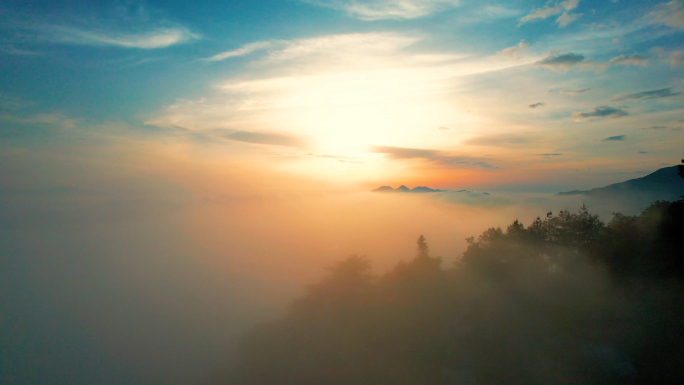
column 140, row 264
column 566, row 299
column 113, row 273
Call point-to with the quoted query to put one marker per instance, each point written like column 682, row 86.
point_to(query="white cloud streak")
column 345, row 45
column 53, row 119
column 156, row 38
column 634, row 60
column 386, row 9
column 339, row 92
column 561, row 8
column 648, row 95
column 244, row 50
column 340, row 47
column 130, row 26
column 670, row 14
column 514, row 52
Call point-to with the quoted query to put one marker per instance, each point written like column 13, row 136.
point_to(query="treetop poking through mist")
column 567, row 299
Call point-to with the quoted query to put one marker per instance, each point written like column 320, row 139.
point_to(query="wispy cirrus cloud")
column 265, row 138
column 435, row 156
column 10, row 49
column 655, row 128
column 49, row 119
column 386, row 9
column 339, row 46
column 635, row 60
column 154, row 38
column 244, row 50
column 561, row 8
column 343, row 46
column 340, row 92
column 12, row 102
column 501, row 140
column 130, row 26
column 647, row 95
column 491, row 11
column 575, row 92
column 661, row 128
column 674, row 58
column 570, row 92
column 600, row 112
column 670, row 14
column 566, row 18
column 515, row 51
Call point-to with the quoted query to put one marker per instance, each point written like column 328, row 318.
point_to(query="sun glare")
column 344, row 112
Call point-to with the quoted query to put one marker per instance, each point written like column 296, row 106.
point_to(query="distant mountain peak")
column 404, row 189
column 384, row 189
column 664, row 184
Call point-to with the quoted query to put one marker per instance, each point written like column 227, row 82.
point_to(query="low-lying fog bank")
column 114, row 274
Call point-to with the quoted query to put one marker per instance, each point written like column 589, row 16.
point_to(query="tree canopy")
column 567, row 299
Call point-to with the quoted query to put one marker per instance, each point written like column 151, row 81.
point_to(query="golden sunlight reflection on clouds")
column 339, row 96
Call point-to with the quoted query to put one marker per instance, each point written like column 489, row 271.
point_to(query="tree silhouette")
column 565, row 300
column 423, row 249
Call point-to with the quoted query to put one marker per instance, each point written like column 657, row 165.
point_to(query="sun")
column 345, row 112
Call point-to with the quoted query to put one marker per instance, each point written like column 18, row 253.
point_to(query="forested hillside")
column 567, row 299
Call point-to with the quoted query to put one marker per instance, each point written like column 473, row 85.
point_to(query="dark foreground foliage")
column 565, row 300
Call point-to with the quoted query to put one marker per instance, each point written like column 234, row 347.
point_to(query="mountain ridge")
column 404, row 189
column 664, row 184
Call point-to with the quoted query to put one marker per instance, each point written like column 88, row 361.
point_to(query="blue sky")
column 486, row 85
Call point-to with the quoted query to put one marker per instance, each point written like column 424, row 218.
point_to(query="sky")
column 447, row 93
column 173, row 172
